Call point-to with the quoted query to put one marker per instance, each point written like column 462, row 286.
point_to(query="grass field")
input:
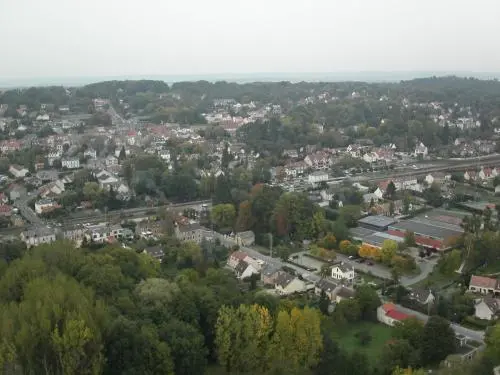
column 346, row 337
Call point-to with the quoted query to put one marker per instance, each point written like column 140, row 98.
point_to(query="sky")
column 71, row 38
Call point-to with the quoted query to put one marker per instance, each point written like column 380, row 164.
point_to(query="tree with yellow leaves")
column 242, row 338
column 297, row 342
column 365, row 251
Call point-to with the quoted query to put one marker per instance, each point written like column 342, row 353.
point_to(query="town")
column 377, row 204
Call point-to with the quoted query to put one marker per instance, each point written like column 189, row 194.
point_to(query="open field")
column 346, row 338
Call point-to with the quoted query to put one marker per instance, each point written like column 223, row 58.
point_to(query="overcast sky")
column 56, row 38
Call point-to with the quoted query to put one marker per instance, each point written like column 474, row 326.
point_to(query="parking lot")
column 307, row 261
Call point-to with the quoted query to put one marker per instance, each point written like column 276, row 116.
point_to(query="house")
column 317, row 177
column 155, row 252
column 5, row 210
column 191, row 232
column 245, row 238
column 293, row 170
column 388, row 314
column 342, row 272
column 111, row 160
column 484, row 285
column 269, row 274
column 37, row 236
column 486, row 173
column 422, row 296
column 3, row 198
column 18, row 171
column 235, row 258
column 318, row 160
column 47, row 175
column 287, row 284
column 470, row 175
column 70, row 163
column 90, row 153
column 326, row 286
column 421, row 151
column 429, row 179
column 73, row 233
column 245, row 269
column 487, row 308
column 45, row 205
column 16, row 192
column 327, row 194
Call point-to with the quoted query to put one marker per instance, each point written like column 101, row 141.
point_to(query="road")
column 474, row 335
column 379, row 270
column 26, row 211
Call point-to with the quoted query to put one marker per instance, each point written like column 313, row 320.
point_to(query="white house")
column 71, row 163
column 18, row 171
column 245, row 269
column 317, row 177
column 487, row 173
column 37, row 236
column 90, row 153
column 43, row 205
column 484, row 285
column 487, row 308
column 429, row 179
column 287, row 284
column 341, row 272
column 111, row 160
column 388, row 314
column 421, row 151
column 165, row 155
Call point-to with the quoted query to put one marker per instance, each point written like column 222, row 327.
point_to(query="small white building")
column 18, row 171
column 44, row 205
column 70, row 163
column 487, row 308
column 421, row 151
column 341, row 272
column 90, row 153
column 317, row 177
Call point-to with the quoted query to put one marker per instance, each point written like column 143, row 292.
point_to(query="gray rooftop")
column 426, row 229
column 377, row 220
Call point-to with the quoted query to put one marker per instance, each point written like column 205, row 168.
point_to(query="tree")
column 350, row 215
column 390, row 191
column 396, row 353
column 329, row 242
column 492, row 340
column 296, row 343
column 245, row 219
column 324, row 303
column 368, row 302
column 410, row 240
column 43, row 335
column 223, row 216
column 411, row 330
column 365, row 251
column 392, row 208
column 389, row 249
column 348, row 310
column 406, row 204
column 438, row 340
column 187, row 346
column 123, row 155
column 242, row 338
column 344, row 246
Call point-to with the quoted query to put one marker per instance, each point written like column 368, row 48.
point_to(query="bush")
column 476, row 323
column 364, row 337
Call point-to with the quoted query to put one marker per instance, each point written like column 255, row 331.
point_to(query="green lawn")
column 346, row 337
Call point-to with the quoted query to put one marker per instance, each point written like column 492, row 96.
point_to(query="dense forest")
column 110, row 310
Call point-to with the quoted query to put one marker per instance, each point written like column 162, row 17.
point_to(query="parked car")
column 370, row 263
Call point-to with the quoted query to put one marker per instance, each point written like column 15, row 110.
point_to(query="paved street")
column 474, row 335
column 26, row 211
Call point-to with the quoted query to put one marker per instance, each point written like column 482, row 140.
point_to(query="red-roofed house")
column 235, row 258
column 5, row 210
column 390, row 315
column 484, row 285
column 486, row 173
column 131, row 137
